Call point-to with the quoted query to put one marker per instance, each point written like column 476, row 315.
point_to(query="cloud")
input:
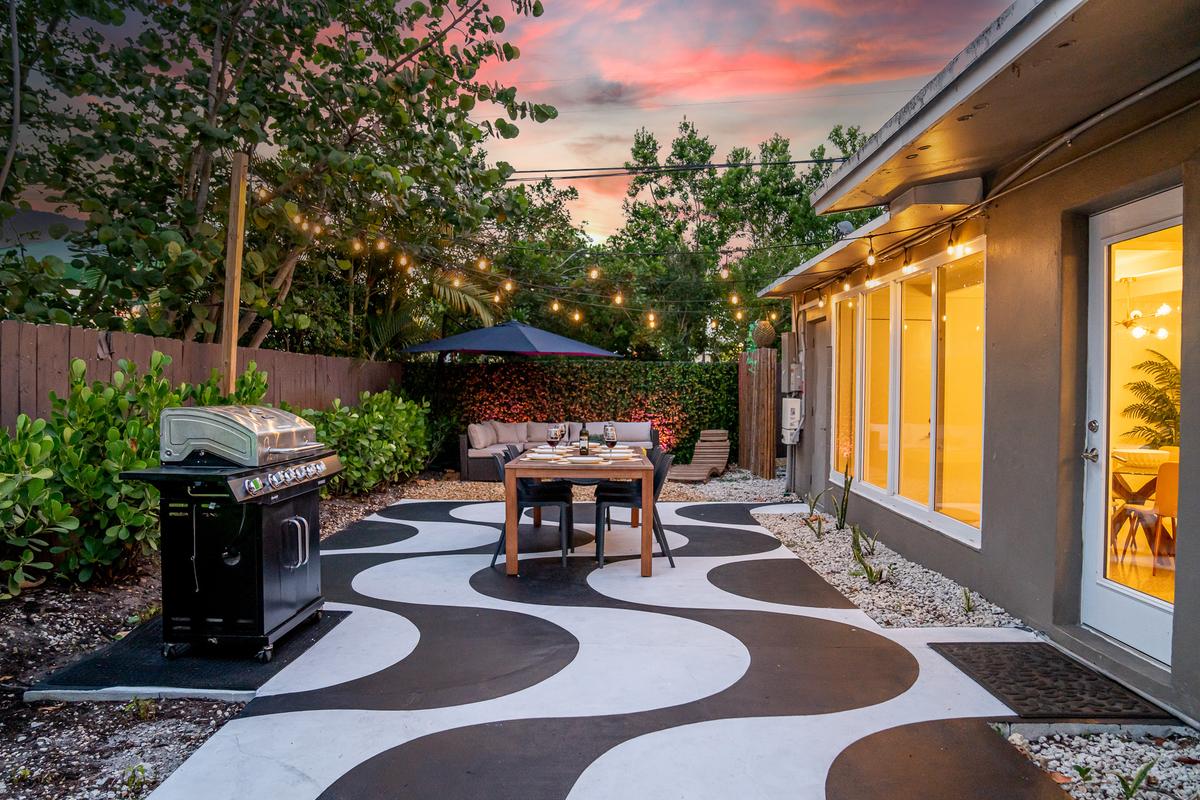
column 740, row 71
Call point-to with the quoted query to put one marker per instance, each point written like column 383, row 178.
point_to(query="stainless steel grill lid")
column 249, row 436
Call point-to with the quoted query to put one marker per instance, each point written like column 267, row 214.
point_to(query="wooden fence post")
column 234, row 237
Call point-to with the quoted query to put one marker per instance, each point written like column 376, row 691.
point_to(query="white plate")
column 585, row 459
column 543, row 457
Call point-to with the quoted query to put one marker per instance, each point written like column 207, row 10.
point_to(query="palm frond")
column 1158, row 402
column 467, row 298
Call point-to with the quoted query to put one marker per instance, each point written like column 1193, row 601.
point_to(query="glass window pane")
column 877, row 358
column 1143, row 410
column 916, row 375
column 843, row 450
column 958, row 486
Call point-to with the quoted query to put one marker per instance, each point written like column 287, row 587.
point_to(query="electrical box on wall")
column 793, row 419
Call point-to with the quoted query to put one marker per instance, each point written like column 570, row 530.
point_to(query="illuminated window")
column 916, row 376
column 919, row 449
column 958, row 485
column 877, row 358
column 843, row 450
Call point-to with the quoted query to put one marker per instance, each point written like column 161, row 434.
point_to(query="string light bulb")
column 381, row 245
column 356, row 245
column 577, row 316
column 733, row 299
column 297, row 219
column 482, row 264
column 618, row 298
column 594, row 272
column 316, row 230
column 653, row 324
column 774, row 316
column 651, row 316
column 845, row 286
column 263, row 194
column 950, row 242
column 739, row 314
column 496, row 297
column 509, row 285
column 304, row 225
column 907, row 266
column 724, row 273
column 555, row 306
column 456, row 282
column 712, row 323
column 402, row 260
column 871, row 251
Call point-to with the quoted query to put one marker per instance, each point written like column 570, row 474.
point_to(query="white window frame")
column 889, row 497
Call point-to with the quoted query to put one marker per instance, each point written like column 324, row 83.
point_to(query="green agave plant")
column 1157, row 406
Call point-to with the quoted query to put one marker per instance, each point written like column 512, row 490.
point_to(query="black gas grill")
column 240, row 529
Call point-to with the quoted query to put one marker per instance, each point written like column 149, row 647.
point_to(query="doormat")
column 133, row 666
column 1038, row 681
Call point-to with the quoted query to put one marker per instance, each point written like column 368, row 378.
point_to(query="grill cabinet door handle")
column 304, row 538
column 295, row 521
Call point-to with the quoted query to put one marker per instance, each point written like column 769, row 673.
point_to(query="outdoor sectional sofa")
column 483, row 440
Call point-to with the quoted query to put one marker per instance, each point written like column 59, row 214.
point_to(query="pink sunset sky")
column 740, row 70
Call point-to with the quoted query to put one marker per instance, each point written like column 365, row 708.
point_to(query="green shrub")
column 384, row 438
column 32, row 510
column 104, row 429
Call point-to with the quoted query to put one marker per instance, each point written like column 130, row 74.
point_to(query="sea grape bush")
column 32, row 511
column 384, row 438
column 65, row 512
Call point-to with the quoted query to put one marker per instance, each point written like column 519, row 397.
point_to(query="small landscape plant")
column 1130, row 785
column 968, row 601
column 842, row 508
column 861, row 547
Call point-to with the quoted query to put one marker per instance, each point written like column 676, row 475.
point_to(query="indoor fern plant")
column 1157, row 406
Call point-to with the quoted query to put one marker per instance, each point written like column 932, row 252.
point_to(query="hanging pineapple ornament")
column 763, row 333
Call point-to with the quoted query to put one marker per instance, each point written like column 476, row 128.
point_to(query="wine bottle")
column 583, row 440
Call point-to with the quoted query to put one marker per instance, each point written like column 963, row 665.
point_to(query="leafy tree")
column 692, row 239
column 364, row 124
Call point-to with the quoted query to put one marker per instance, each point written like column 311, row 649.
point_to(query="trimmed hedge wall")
column 679, row 398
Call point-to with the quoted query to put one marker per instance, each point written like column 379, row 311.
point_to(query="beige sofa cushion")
column 481, row 434
column 486, row 452
column 630, row 432
column 536, row 431
column 509, row 432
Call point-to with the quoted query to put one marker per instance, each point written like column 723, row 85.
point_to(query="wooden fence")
column 758, row 411
column 35, row 359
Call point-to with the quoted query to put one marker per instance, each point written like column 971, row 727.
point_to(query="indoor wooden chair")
column 1151, row 517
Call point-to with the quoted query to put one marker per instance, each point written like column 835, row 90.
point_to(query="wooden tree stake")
column 234, row 238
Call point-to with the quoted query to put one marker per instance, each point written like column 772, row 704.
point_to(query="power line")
column 681, row 167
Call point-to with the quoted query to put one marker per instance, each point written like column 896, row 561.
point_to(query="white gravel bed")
column 1091, row 767
column 743, row 486
column 910, row 596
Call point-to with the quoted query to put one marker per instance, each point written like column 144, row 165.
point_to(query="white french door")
column 1131, row 447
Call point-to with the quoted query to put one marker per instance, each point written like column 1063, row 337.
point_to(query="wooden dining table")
column 637, row 468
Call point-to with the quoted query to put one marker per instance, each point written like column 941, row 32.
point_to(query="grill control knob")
column 320, row 466
column 289, row 475
column 253, row 485
column 309, row 470
column 276, row 478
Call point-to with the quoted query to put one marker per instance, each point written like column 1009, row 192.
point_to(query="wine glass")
column 610, row 436
column 554, row 435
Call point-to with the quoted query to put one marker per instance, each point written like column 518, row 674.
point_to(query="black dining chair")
column 628, row 494
column 635, row 485
column 532, row 494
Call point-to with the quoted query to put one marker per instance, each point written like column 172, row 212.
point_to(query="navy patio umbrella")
column 514, row 338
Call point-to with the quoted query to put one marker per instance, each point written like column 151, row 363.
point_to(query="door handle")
column 296, row 522
column 1091, row 454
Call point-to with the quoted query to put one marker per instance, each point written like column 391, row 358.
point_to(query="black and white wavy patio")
column 740, row 673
